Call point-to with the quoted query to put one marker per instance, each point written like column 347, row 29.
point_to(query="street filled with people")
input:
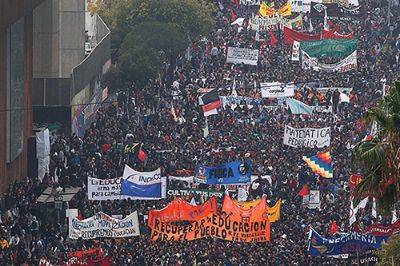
column 163, row 125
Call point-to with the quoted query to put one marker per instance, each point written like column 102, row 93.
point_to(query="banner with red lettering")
column 379, row 230
column 180, row 210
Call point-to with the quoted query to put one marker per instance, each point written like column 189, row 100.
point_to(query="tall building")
column 46, row 74
column 16, row 53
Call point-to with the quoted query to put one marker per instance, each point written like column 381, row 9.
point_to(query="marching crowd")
column 252, row 129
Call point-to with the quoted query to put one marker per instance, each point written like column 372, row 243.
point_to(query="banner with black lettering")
column 238, row 55
column 104, row 189
column 103, row 225
column 307, row 137
column 277, row 89
column 365, row 259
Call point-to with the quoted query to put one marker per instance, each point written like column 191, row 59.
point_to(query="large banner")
column 347, row 64
column 195, row 191
column 104, row 189
column 380, row 230
column 289, row 36
column 366, row 259
column 262, row 24
column 228, row 173
column 258, row 212
column 218, row 226
column 329, row 47
column 103, row 225
column 276, row 89
column 307, row 137
column 233, row 101
column 143, row 185
column 180, row 210
column 246, row 56
column 349, row 243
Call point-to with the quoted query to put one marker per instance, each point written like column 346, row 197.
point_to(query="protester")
column 253, row 130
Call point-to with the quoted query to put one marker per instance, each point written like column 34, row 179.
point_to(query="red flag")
column 273, row 39
column 236, row 3
column 102, row 262
column 304, row 191
column 233, row 15
column 141, row 155
column 334, row 229
column 355, row 180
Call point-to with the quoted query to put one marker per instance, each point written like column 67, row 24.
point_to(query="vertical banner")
column 296, row 51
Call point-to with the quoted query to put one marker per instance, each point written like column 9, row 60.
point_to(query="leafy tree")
column 389, row 254
column 380, row 156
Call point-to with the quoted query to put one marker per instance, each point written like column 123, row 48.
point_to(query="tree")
column 389, row 253
column 380, row 156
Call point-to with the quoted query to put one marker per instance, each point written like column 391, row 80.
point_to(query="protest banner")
column 250, row 2
column 312, row 200
column 289, row 36
column 318, row 10
column 274, row 213
column 218, row 226
column 307, row 137
column 263, row 24
column 103, row 225
column 257, row 212
column 143, row 185
column 277, row 89
column 329, row 47
column 238, row 55
column 380, row 230
column 366, row 259
column 104, row 189
column 82, row 253
column 188, row 179
column 296, row 51
column 202, row 192
column 239, row 100
column 180, row 210
column 348, row 243
column 228, row 173
column 347, row 64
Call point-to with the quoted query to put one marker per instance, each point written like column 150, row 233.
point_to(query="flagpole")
column 358, row 258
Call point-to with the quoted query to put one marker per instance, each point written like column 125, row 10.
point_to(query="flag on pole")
column 285, row 10
column 233, row 16
column 334, row 228
column 211, row 102
column 273, row 39
column 304, row 191
column 142, row 155
column 265, row 10
column 320, row 164
column 297, row 107
column 173, row 113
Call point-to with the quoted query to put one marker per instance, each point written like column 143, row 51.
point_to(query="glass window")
column 15, row 89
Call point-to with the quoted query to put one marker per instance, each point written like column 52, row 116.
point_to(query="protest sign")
column 347, row 64
column 329, row 47
column 219, row 226
column 296, row 51
column 180, row 210
column 143, row 185
column 348, row 243
column 366, row 259
column 188, row 179
column 380, row 230
column 104, row 189
column 103, row 225
column 202, row 192
column 276, row 89
column 246, row 56
column 228, row 173
column 307, row 137
column 312, row 200
column 269, row 23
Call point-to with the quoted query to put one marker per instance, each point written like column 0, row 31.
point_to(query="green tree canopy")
column 390, row 252
column 380, row 156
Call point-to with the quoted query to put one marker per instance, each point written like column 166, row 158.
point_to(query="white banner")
column 103, row 225
column 307, row 137
column 347, row 64
column 296, row 51
column 188, row 179
column 276, row 89
column 105, row 189
column 242, row 55
column 312, row 201
column 250, row 2
column 273, row 22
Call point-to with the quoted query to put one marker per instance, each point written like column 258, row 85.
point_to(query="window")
column 15, row 89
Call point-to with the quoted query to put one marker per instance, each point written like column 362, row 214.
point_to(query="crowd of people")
column 253, row 130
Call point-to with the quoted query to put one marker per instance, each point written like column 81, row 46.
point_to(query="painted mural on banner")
column 347, row 64
column 277, row 89
column 228, row 173
column 307, row 137
column 143, row 185
column 246, row 56
column 348, row 243
column 380, row 230
column 103, row 225
column 201, row 192
column 218, row 226
column 180, row 210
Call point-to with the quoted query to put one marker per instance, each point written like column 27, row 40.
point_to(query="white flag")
column 296, row 51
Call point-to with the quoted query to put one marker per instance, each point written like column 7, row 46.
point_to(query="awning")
column 64, row 196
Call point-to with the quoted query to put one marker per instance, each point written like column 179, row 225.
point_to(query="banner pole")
column 358, row 258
